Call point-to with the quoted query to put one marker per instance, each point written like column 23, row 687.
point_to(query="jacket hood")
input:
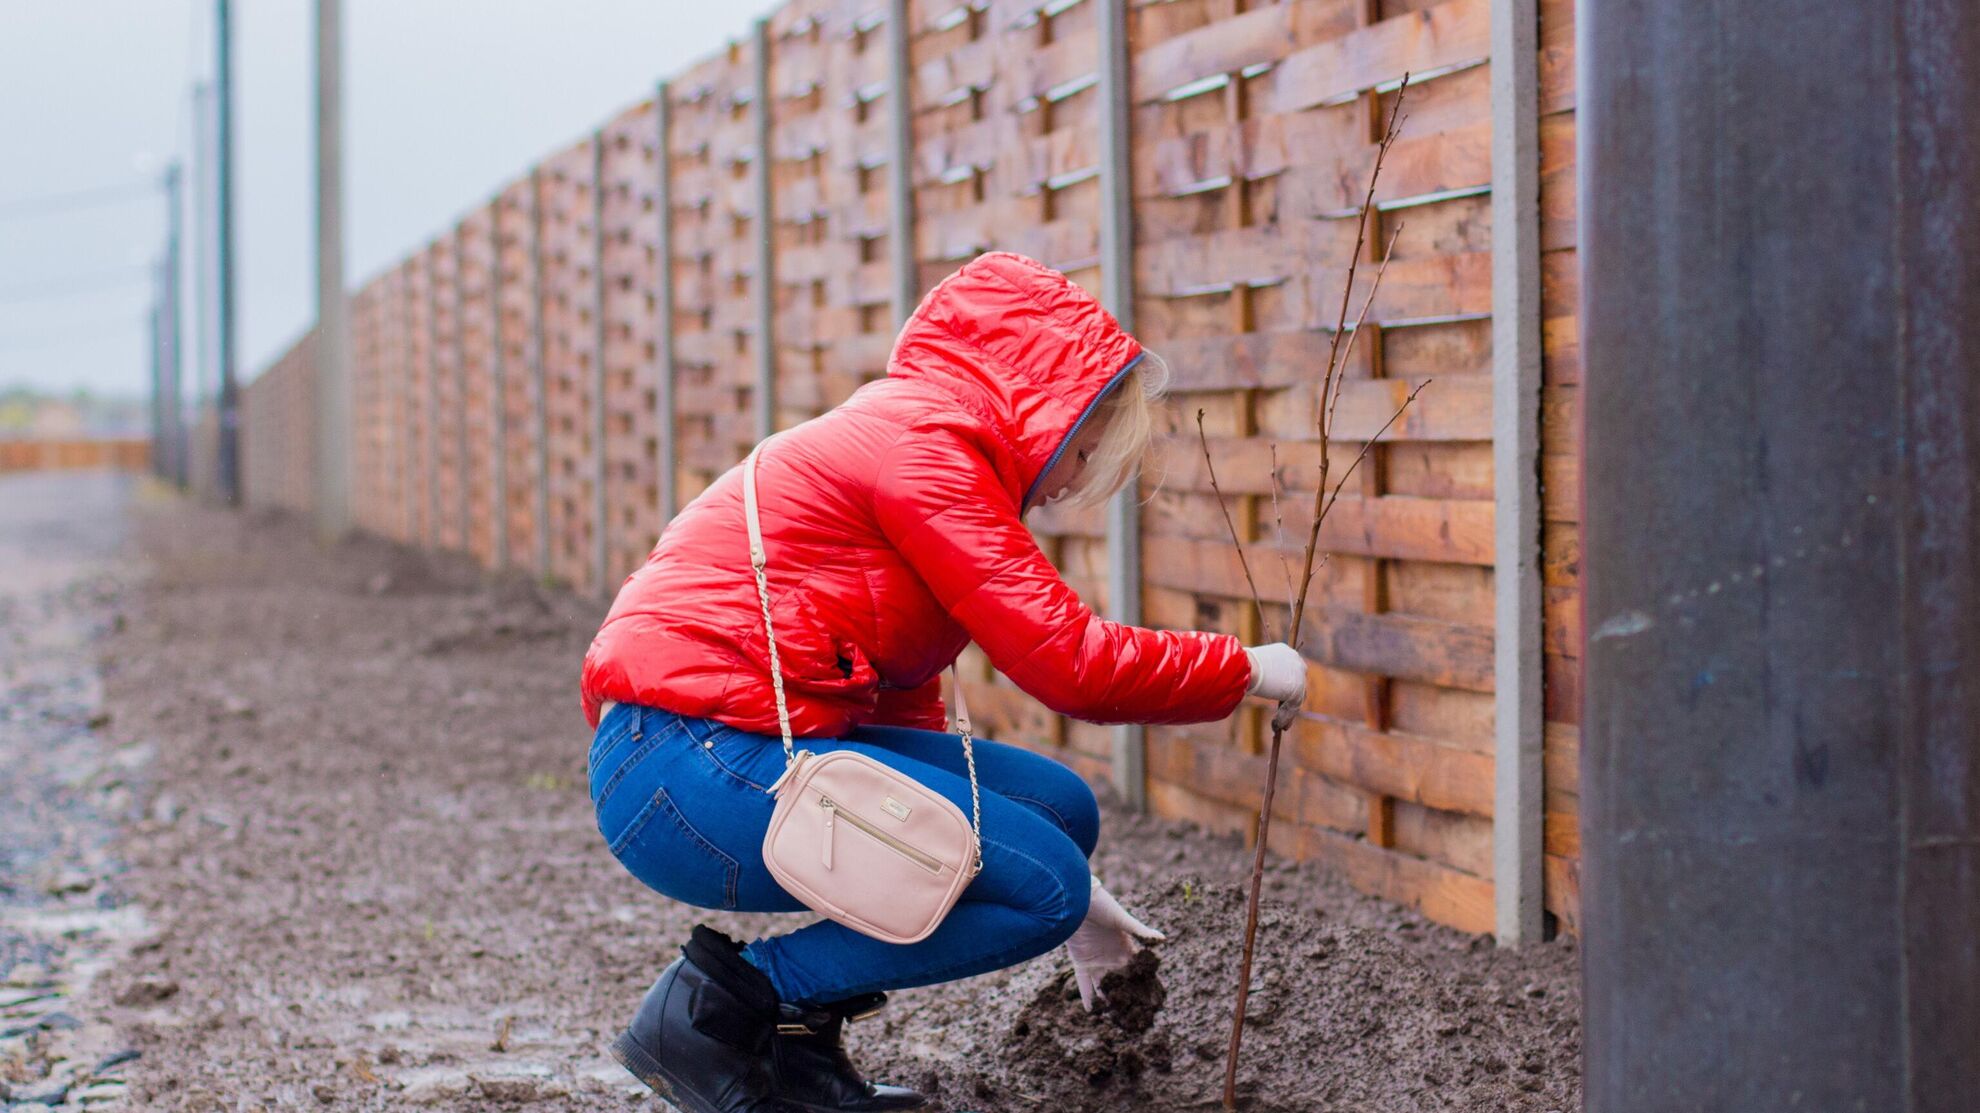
column 1023, row 345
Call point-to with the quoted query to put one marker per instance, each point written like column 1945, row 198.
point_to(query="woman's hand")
column 1278, row 672
column 1104, row 942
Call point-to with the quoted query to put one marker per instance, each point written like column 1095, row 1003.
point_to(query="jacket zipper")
column 833, row 810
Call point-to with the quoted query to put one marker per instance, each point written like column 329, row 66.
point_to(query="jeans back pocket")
column 667, row 854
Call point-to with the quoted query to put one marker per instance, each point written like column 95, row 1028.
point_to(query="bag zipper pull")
column 831, row 818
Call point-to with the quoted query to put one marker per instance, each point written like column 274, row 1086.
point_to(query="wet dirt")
column 376, row 883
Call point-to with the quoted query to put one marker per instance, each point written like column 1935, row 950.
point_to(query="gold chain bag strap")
column 853, row 839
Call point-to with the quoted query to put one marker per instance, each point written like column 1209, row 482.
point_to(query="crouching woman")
column 894, row 534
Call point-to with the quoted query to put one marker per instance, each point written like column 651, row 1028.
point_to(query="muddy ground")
column 372, row 881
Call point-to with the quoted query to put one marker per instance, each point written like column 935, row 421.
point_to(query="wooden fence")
column 50, row 454
column 544, row 382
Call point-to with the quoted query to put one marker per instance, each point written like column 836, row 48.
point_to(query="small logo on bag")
column 896, row 809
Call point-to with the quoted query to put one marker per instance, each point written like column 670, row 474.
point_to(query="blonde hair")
column 1128, row 411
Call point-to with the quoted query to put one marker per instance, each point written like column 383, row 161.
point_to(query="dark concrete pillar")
column 1781, row 781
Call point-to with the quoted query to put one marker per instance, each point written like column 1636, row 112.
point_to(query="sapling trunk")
column 1323, row 502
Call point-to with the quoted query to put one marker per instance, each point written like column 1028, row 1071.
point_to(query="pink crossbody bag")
column 854, row 840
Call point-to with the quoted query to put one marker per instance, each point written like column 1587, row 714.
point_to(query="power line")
column 77, row 199
column 75, row 284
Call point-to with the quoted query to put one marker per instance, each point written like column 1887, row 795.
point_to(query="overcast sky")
column 445, row 101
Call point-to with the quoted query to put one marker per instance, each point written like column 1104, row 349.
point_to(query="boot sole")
column 643, row 1066
column 809, row 1107
column 648, row 1070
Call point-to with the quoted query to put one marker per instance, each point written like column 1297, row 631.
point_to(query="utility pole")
column 230, row 431
column 1780, row 767
column 333, row 386
column 202, row 245
column 170, row 349
column 153, row 345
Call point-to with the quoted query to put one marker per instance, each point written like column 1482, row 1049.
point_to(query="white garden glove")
column 1278, row 672
column 1103, row 943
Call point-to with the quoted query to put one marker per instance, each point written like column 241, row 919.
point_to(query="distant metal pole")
column 1130, row 746
column 900, row 163
column 333, row 321
column 170, row 302
column 1519, row 715
column 539, row 372
column 204, row 312
column 669, row 451
column 1780, row 545
column 229, row 455
column 498, row 389
column 155, row 349
column 202, row 246
column 601, row 531
column 766, row 286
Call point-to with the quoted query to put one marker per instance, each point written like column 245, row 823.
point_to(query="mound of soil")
column 1344, row 1013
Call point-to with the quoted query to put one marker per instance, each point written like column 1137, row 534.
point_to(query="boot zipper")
column 832, row 809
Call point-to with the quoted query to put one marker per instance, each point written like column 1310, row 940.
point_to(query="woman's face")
column 1065, row 474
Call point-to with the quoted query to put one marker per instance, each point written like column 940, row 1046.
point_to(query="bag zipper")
column 832, row 810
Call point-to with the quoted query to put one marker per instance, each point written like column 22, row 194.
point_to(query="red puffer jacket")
column 893, row 535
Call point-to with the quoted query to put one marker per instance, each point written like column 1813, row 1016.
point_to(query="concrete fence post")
column 663, row 205
column 900, row 163
column 333, row 344
column 601, row 533
column 408, row 463
column 539, row 386
column 462, row 476
column 1130, row 740
column 766, row 285
column 430, row 435
column 1518, row 714
column 498, row 393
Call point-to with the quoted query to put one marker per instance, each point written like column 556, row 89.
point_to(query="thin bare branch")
column 1360, row 319
column 1389, row 135
column 1323, row 418
column 1370, row 443
column 1279, row 532
column 1236, row 542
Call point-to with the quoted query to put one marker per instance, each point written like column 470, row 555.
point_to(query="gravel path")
column 372, row 881
column 64, row 919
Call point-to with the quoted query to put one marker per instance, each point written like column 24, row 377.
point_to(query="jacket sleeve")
column 912, row 707
column 941, row 506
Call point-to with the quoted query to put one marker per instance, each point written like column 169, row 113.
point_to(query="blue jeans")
column 681, row 802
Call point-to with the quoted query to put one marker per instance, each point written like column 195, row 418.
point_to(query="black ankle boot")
column 811, row 1067
column 702, row 1037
